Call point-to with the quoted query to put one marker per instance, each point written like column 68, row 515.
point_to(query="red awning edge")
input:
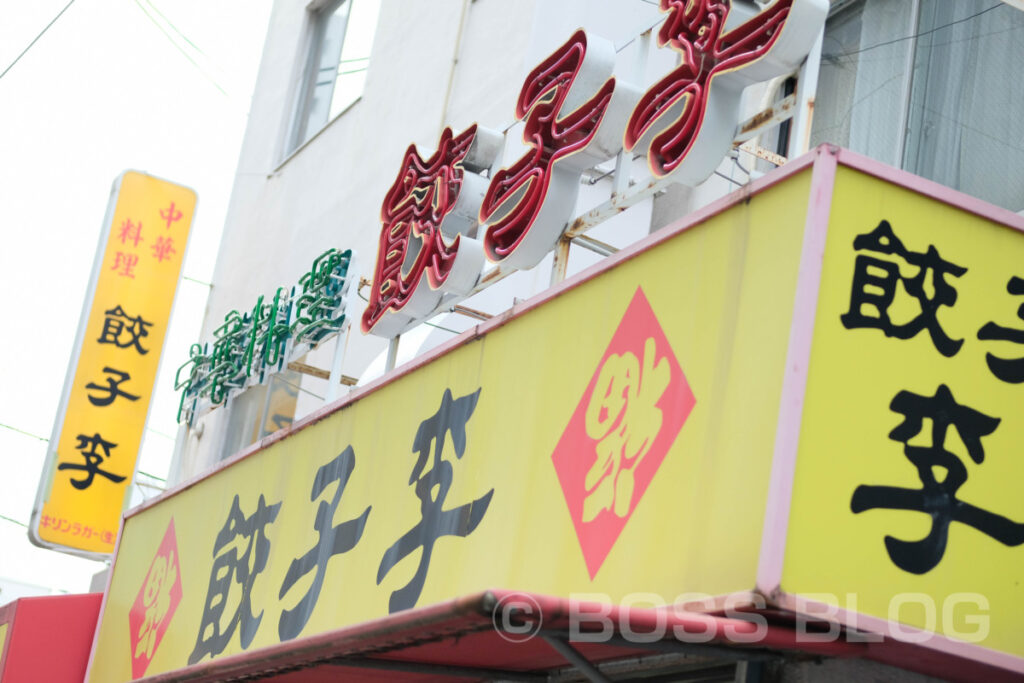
column 522, row 636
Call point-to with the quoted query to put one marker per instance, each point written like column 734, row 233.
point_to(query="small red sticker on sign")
column 155, row 604
column 619, row 434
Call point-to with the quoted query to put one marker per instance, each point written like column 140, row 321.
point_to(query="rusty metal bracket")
column 573, row 656
column 319, row 373
column 560, row 262
column 765, row 119
column 470, row 312
column 761, row 153
column 594, row 245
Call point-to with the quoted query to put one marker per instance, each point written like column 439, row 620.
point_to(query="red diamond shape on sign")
column 628, row 417
column 155, row 604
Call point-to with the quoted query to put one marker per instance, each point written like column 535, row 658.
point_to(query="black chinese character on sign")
column 1007, row 369
column 432, row 488
column 937, row 495
column 87, row 445
column 112, row 390
column 122, row 330
column 875, row 284
column 240, row 553
column 334, row 540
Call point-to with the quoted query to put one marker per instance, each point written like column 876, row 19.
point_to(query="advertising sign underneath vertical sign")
column 99, row 425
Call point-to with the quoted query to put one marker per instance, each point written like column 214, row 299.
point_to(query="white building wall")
column 437, row 63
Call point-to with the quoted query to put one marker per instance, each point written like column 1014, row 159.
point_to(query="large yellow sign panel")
column 907, row 502
column 99, row 428
column 577, row 448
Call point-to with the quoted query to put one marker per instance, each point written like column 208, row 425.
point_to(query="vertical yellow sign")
column 99, row 426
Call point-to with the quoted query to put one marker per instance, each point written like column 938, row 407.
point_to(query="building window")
column 336, row 65
column 930, row 86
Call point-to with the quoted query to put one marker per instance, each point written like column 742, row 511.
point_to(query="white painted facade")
column 458, row 62
column 436, row 64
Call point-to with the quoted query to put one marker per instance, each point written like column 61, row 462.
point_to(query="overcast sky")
column 151, row 85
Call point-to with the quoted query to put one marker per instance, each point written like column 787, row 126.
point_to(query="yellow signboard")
column 907, row 504
column 99, row 426
column 575, row 448
column 811, row 389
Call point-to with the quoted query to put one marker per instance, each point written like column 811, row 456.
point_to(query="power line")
column 179, row 48
column 36, row 436
column 175, row 28
column 933, row 46
column 45, row 29
column 13, row 521
column 916, row 35
column 299, row 388
column 200, row 282
column 159, row 433
column 22, row 431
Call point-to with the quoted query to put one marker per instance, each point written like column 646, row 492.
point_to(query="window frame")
column 904, row 132
column 318, row 13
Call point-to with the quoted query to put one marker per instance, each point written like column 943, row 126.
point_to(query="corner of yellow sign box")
column 839, row 557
